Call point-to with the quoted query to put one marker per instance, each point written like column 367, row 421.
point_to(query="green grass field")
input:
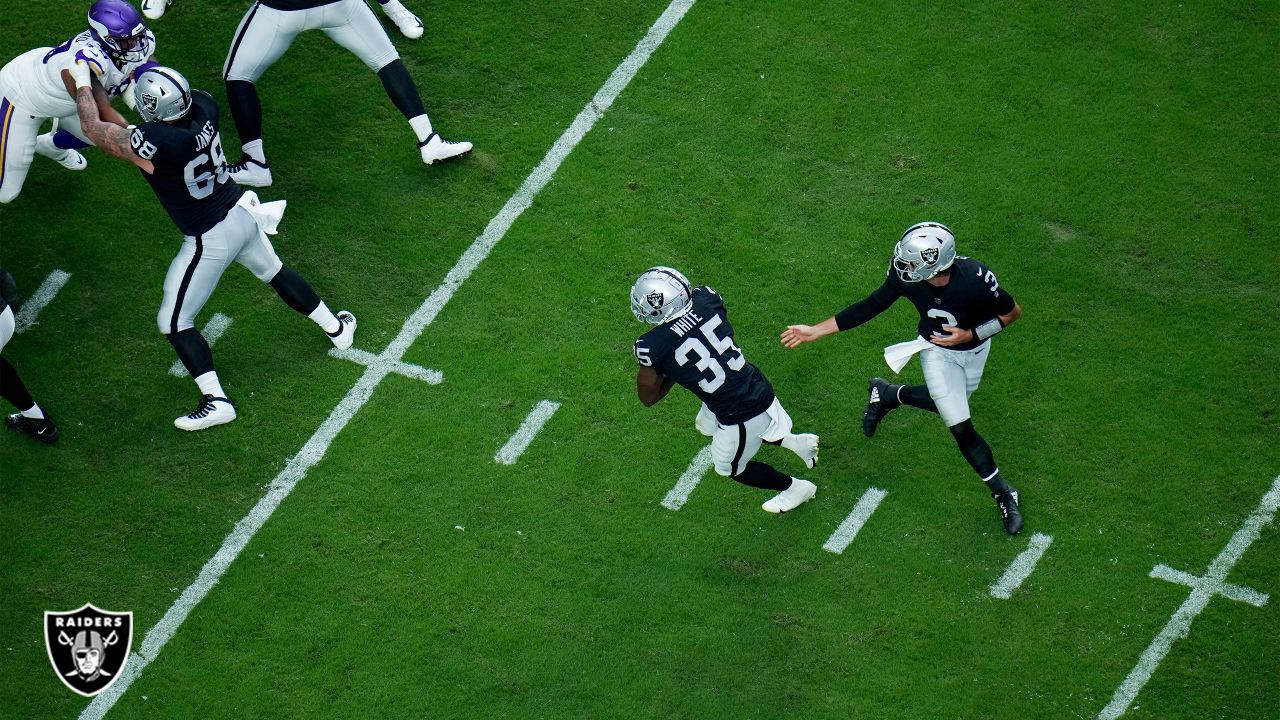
column 1116, row 163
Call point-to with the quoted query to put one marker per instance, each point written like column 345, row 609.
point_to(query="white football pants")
column 198, row 266
column 732, row 446
column 952, row 376
column 265, row 33
column 7, row 325
column 18, row 131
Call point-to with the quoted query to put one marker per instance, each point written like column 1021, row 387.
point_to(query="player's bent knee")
column 379, row 63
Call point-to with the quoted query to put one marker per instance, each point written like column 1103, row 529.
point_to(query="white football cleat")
column 211, row 411
column 154, row 9
column 69, row 159
column 808, row 450
column 436, row 148
column 250, row 172
column 346, row 333
column 409, row 24
column 791, row 498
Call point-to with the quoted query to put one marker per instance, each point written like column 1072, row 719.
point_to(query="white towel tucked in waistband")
column 267, row 215
column 900, row 354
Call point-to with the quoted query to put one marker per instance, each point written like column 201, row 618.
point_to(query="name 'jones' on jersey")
column 698, row 352
column 190, row 177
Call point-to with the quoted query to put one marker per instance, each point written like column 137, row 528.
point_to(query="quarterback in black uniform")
column 961, row 305
column 693, row 346
column 180, row 154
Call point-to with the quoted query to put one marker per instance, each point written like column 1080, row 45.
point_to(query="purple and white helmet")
column 120, row 30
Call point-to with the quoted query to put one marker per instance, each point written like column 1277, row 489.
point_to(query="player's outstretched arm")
column 108, row 137
column 652, row 387
column 795, row 335
column 105, row 109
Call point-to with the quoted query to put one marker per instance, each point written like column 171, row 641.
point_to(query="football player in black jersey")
column 180, row 154
column 30, row 418
column 693, row 346
column 961, row 305
column 266, row 32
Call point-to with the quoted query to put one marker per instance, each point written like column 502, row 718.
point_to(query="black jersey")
column 190, row 177
column 698, row 351
column 295, row 4
column 972, row 297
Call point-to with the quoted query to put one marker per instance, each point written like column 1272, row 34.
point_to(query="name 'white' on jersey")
column 33, row 80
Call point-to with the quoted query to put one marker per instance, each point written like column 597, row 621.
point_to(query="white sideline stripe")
column 679, row 495
column 1021, row 567
column 409, row 370
column 213, row 330
column 43, row 295
column 858, row 517
column 1230, row 591
column 1204, row 589
column 532, row 424
column 315, row 447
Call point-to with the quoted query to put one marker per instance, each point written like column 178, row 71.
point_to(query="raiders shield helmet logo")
column 655, row 300
column 929, row 255
column 88, row 647
column 149, row 103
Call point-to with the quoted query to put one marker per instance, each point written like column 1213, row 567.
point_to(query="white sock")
column 324, row 317
column 254, row 150
column 421, row 125
column 209, row 385
column 390, row 6
column 34, row 412
column 45, row 146
column 792, row 443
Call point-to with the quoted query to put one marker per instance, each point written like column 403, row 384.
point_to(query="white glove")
column 128, row 96
column 80, row 74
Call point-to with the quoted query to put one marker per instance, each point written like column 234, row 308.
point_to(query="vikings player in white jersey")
column 116, row 48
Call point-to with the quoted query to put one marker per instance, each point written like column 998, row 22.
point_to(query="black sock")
column 192, row 350
column 917, row 396
column 997, row 485
column 12, row 387
column 400, row 88
column 760, row 475
column 976, row 451
column 296, row 292
column 246, row 109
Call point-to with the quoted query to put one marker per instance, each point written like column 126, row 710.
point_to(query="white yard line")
column 32, row 306
column 213, row 330
column 318, row 444
column 388, row 365
column 1204, row 589
column 516, row 446
column 1021, row 567
column 679, row 495
column 848, row 529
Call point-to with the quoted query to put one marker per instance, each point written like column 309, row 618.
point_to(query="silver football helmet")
column 661, row 294
column 925, row 250
column 161, row 94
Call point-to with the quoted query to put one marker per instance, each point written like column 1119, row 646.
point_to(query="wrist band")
column 988, row 328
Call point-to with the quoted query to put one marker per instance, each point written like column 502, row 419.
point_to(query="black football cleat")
column 41, row 429
column 877, row 407
column 1009, row 511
